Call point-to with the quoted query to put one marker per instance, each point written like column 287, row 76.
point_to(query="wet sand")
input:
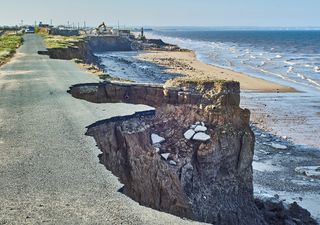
column 185, row 63
column 274, row 172
column 294, row 116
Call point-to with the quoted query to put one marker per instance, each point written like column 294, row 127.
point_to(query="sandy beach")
column 186, row 63
column 270, row 103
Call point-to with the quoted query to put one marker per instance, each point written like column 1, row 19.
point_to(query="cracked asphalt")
column 49, row 170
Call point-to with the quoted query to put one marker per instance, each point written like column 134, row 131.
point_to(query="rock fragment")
column 189, row 134
column 201, row 137
column 165, row 155
column 200, row 128
column 278, row 146
column 156, row 139
column 309, row 171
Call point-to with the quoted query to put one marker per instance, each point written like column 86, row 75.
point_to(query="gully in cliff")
column 191, row 156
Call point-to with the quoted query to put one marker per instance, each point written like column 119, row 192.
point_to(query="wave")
column 313, row 82
column 231, row 55
column 301, row 76
column 316, row 69
column 263, row 63
column 275, row 74
column 289, row 62
column 290, row 69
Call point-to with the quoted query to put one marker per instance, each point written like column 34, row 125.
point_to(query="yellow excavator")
column 102, row 28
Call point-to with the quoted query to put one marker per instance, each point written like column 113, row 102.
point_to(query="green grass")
column 56, row 41
column 108, row 77
column 9, row 42
column 180, row 81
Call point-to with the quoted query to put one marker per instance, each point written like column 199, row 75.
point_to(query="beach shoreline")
column 185, row 63
column 274, row 107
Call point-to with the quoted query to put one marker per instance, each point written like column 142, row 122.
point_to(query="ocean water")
column 276, row 55
column 287, row 57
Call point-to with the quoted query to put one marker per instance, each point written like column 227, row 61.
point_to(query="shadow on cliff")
column 191, row 157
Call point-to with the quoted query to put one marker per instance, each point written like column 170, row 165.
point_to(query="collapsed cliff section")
column 205, row 176
column 78, row 50
column 191, row 156
column 84, row 48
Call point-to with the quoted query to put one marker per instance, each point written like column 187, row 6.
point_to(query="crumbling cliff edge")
column 191, row 156
column 86, row 48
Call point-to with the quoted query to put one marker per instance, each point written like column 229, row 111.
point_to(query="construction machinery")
column 103, row 29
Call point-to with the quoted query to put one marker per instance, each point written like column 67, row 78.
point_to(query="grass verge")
column 57, row 41
column 9, row 42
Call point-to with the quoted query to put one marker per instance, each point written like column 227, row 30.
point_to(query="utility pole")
column 84, row 25
column 50, row 22
column 118, row 28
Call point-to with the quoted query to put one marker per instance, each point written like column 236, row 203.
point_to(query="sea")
column 275, row 54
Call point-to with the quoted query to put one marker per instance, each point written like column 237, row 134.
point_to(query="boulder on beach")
column 309, row 171
column 278, row 146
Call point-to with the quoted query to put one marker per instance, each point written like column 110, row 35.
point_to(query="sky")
column 257, row 13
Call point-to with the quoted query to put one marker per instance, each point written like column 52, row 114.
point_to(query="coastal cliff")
column 207, row 179
column 84, row 48
column 191, row 156
column 75, row 50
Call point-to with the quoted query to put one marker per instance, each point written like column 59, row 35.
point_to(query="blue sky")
column 261, row 13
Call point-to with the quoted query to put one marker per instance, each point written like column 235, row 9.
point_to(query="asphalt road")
column 49, row 170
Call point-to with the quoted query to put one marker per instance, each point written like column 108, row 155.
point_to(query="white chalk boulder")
column 157, row 149
column 171, row 162
column 165, row 155
column 189, row 134
column 200, row 128
column 156, row 139
column 201, row 137
column 278, row 146
column 193, row 126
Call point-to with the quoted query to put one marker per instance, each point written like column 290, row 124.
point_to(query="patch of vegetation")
column 195, row 81
column 9, row 42
column 108, row 77
column 57, row 41
column 208, row 86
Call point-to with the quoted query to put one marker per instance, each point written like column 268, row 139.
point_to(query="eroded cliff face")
column 191, row 156
column 86, row 48
column 81, row 51
column 206, row 179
